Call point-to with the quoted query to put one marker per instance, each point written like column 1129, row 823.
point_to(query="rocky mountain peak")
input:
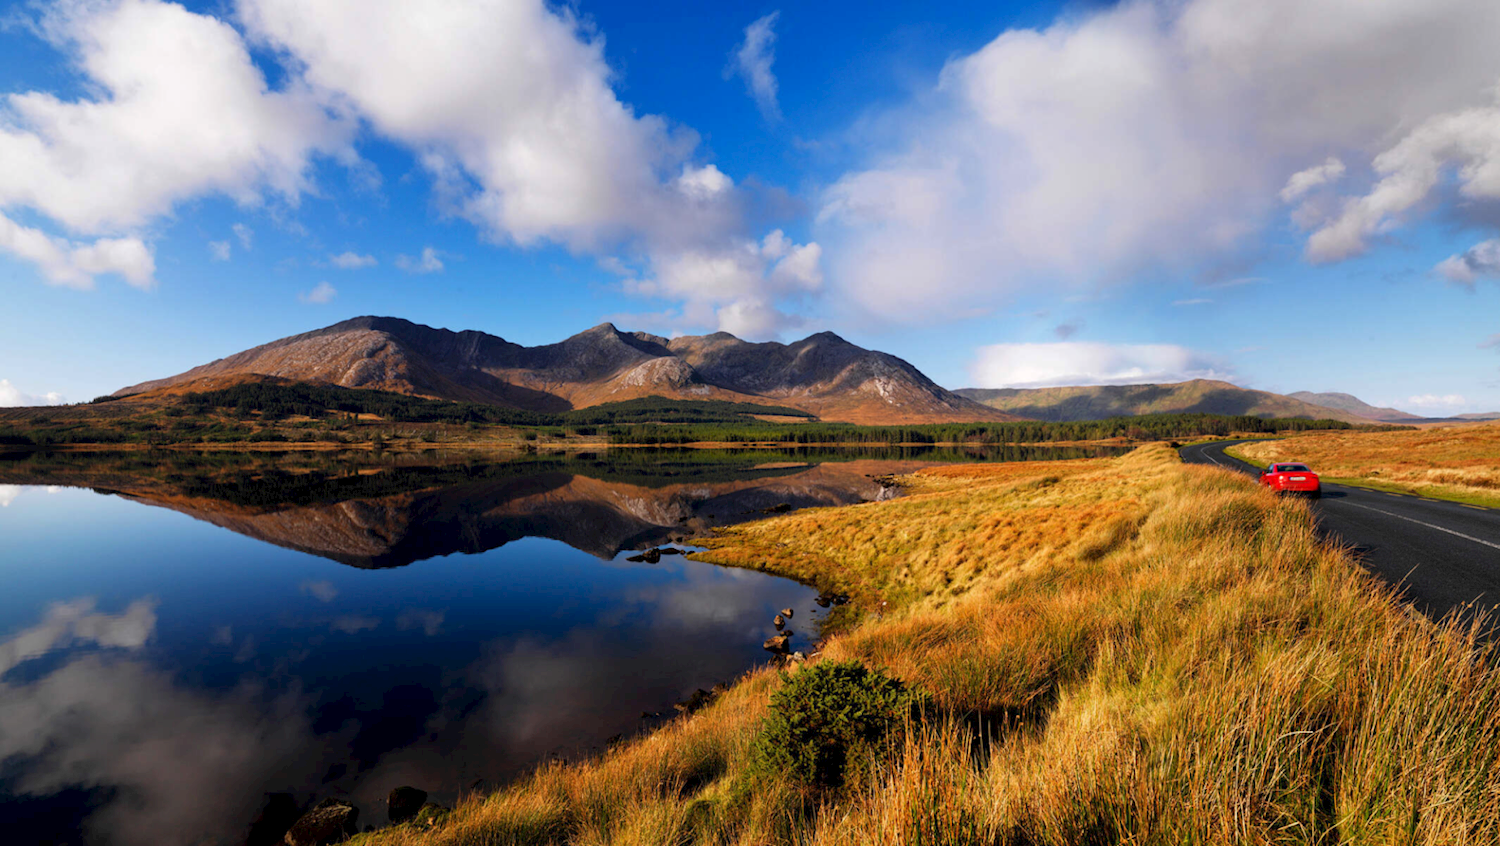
column 823, row 373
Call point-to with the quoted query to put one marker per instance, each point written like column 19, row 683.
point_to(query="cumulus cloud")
column 321, row 293
column 512, row 110
column 12, row 397
column 737, row 287
column 352, row 261
column 1480, row 260
column 245, row 234
column 1444, row 401
column 219, row 250
column 74, row 263
column 427, row 262
column 1466, row 141
column 8, row 494
column 1304, row 181
column 175, row 109
column 1145, row 135
column 1087, row 363
column 752, row 60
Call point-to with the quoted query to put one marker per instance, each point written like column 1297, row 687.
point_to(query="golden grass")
column 1122, row 651
column 1458, row 462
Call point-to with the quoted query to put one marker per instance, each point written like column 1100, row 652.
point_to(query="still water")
column 181, row 636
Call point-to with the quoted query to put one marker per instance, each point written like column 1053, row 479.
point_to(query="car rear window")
column 1293, row 468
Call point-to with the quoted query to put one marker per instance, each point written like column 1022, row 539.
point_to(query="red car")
column 1290, row 477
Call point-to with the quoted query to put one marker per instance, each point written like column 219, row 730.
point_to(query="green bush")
column 829, row 719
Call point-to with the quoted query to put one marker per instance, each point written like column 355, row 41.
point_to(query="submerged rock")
column 330, row 821
column 403, row 803
column 777, row 644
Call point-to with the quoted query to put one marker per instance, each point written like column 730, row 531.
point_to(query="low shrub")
column 828, row 719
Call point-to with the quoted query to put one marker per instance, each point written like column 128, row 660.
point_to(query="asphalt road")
column 1443, row 556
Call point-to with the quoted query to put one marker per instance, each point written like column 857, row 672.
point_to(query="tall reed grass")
column 1133, row 652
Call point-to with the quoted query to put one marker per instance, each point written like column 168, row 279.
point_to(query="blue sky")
column 1288, row 194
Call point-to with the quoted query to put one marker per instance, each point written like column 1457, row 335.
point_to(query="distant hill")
column 1484, row 415
column 1097, row 402
column 822, row 374
column 1354, row 405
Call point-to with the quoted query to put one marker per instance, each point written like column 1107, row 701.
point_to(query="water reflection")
column 392, row 511
column 159, row 676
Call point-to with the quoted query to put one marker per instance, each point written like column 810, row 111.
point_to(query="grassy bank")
column 1459, row 463
column 1120, row 651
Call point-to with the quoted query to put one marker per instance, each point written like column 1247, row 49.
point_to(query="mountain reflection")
column 159, row 677
column 373, row 514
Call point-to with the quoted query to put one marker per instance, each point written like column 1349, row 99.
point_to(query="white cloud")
column 1448, row 401
column 1480, row 260
column 1466, row 141
column 11, row 397
column 322, row 293
column 1146, row 135
column 736, row 288
column 351, row 261
column 1490, row 343
column 1087, row 363
column 175, row 109
column 1316, row 176
column 513, row 98
column 219, row 250
column 245, row 234
column 75, row 264
column 511, row 108
column 428, row 262
column 703, row 183
column 8, row 494
column 752, row 60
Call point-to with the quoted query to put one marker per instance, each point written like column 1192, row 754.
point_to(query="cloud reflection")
column 178, row 764
column 75, row 624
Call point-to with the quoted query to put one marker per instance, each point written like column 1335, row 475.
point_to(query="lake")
column 183, row 635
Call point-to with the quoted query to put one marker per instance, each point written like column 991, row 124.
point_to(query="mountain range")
column 1097, row 402
column 822, row 374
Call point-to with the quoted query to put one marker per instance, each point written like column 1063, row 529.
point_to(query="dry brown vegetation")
column 1118, row 651
column 1457, row 462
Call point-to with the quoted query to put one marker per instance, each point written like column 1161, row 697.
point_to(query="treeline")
column 1144, row 427
column 275, row 402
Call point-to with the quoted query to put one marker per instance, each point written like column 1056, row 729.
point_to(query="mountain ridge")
column 822, row 374
column 1097, row 402
column 1354, row 405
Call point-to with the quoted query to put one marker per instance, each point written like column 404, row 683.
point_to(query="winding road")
column 1443, row 556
